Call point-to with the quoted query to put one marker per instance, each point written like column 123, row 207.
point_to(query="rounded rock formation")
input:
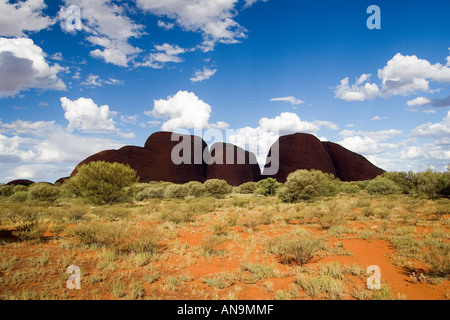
column 20, row 182
column 298, row 151
column 349, row 165
column 232, row 164
column 166, row 157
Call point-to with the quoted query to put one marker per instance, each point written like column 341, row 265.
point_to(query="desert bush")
column 103, row 182
column 268, row 187
column 350, row 187
column 210, row 243
column 6, row 191
column 102, row 235
column 438, row 258
column 178, row 213
column 150, row 193
column 20, row 188
column 73, row 213
column 247, row 188
column 44, row 192
column 19, row 196
column 30, row 231
column 17, row 213
column 113, row 213
column 382, row 186
column 264, row 218
column 218, row 188
column 176, row 191
column 195, row 189
column 147, row 243
column 307, row 185
column 322, row 284
column 330, row 219
column 432, row 184
column 402, row 179
column 299, row 250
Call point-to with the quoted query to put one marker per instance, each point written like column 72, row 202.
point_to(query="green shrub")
column 195, row 189
column 382, row 186
column 247, row 188
column 44, row 192
column 20, row 187
column 103, row 235
column 445, row 187
column 103, row 182
column 268, row 187
column 307, row 185
column 432, row 184
column 6, row 191
column 402, row 179
column 147, row 243
column 113, row 213
column 439, row 261
column 176, row 191
column 350, row 187
column 177, row 212
column 31, row 231
column 299, row 250
column 218, row 188
column 18, row 213
column 322, row 284
column 150, row 193
column 19, row 196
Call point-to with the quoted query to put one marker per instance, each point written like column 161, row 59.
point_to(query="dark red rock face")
column 183, row 158
column 299, row 151
column 349, row 165
column 62, row 180
column 20, row 183
column 155, row 163
column 232, row 164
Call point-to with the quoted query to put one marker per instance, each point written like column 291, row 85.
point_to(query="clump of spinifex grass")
column 297, row 250
column 438, row 258
column 321, row 284
column 210, row 244
column 118, row 236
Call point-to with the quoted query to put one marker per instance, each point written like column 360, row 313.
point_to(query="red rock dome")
column 300, row 151
column 232, row 164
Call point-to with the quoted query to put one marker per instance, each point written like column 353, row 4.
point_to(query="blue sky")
column 257, row 68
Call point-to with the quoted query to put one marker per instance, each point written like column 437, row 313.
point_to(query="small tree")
column 176, row 191
column 218, row 188
column 6, row 191
column 349, row 187
column 268, row 187
column 247, row 188
column 150, row 193
column 44, row 192
column 432, row 184
column 103, row 182
column 195, row 189
column 383, row 186
column 307, row 185
column 402, row 179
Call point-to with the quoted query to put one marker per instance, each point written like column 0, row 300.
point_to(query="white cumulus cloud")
column 23, row 66
column 214, row 19
column 108, row 27
column 18, row 18
column 205, row 74
column 186, row 111
column 84, row 115
column 402, row 75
